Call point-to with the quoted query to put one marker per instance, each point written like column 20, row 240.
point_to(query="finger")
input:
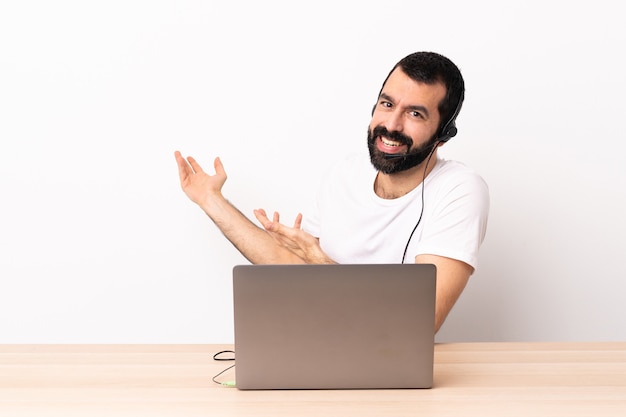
column 273, row 225
column 194, row 164
column 261, row 216
column 179, row 159
column 298, row 223
column 183, row 167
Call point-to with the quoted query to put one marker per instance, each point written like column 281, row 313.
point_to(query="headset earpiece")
column 449, row 130
column 449, row 133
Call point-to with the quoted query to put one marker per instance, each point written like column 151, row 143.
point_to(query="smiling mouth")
column 388, row 142
column 388, row 146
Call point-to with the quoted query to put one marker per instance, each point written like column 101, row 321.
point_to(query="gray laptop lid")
column 334, row 326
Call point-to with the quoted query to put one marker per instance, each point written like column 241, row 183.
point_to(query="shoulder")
column 451, row 173
column 454, row 182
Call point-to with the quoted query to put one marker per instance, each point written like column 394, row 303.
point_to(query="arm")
column 452, row 276
column 254, row 243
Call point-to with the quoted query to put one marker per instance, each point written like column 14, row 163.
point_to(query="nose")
column 394, row 121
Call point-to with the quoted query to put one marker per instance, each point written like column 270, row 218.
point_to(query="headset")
column 449, row 130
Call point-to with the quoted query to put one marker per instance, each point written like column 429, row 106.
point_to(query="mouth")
column 386, row 145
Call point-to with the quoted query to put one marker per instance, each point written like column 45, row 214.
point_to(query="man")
column 412, row 207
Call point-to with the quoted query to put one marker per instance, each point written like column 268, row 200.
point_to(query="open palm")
column 197, row 184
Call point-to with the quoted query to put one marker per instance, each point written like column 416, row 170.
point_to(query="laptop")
column 368, row 326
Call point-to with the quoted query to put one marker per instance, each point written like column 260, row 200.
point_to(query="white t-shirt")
column 354, row 225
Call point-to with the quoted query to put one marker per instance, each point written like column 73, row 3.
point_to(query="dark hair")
column 431, row 68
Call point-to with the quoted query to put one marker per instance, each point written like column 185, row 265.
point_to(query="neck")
column 390, row 186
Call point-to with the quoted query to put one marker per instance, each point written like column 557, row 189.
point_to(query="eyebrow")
column 420, row 109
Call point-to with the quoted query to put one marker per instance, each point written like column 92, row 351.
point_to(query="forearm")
column 254, row 243
column 452, row 277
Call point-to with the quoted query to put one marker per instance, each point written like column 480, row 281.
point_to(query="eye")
column 415, row 113
column 386, row 104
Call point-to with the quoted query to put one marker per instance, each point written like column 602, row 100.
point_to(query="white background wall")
column 99, row 244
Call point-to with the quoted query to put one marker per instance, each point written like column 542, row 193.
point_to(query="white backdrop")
column 98, row 244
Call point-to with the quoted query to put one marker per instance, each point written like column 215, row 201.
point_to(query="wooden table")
column 471, row 379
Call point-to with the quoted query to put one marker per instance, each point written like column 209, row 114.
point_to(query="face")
column 405, row 122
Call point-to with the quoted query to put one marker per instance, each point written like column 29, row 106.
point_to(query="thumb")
column 219, row 167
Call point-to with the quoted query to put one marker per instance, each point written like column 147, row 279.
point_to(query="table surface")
column 471, row 379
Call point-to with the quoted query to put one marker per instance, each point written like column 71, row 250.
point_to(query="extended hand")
column 197, row 184
column 299, row 242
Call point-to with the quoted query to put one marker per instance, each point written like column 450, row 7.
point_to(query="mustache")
column 393, row 135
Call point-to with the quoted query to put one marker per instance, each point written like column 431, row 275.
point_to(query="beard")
column 411, row 159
